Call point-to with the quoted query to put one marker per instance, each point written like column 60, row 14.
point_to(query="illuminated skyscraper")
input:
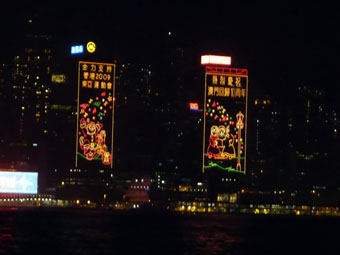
column 31, row 80
column 30, row 90
column 265, row 144
column 312, row 145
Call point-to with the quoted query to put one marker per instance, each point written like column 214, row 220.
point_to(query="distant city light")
column 58, row 78
column 77, row 49
column 217, row 60
column 193, row 106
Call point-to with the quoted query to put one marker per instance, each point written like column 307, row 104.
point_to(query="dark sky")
column 281, row 44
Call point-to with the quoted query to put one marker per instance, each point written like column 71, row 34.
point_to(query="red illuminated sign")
column 193, row 106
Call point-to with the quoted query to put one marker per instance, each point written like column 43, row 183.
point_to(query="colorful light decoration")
column 239, row 126
column 225, row 111
column 222, row 140
column 224, row 133
column 95, row 118
column 92, row 134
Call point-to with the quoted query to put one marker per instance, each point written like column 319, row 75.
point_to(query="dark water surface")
column 40, row 231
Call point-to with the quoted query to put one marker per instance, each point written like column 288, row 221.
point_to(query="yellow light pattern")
column 91, row 47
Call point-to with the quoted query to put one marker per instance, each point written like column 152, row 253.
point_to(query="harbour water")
column 79, row 231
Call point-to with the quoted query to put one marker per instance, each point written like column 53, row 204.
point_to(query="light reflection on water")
column 209, row 234
column 100, row 232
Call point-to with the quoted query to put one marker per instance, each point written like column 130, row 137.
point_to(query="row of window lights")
column 228, row 179
column 73, row 170
column 88, row 201
column 23, row 97
column 30, row 50
column 72, row 182
column 196, row 203
column 25, row 199
column 139, row 187
column 194, row 207
column 38, row 92
column 198, row 190
column 37, row 106
column 25, row 196
column 259, row 101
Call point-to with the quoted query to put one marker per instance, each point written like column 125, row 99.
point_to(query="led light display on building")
column 215, row 60
column 18, row 182
column 193, row 106
column 58, row 78
column 91, row 47
column 95, row 114
column 225, row 118
column 77, row 49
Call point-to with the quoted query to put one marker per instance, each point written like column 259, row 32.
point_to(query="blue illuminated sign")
column 19, row 182
column 77, row 49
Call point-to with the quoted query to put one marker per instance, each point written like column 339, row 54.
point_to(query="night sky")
column 282, row 45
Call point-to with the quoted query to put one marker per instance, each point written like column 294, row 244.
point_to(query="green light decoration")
column 229, row 169
column 97, row 103
column 81, row 155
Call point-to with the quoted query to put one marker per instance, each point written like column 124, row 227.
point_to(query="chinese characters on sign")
column 95, row 114
column 225, row 113
column 222, row 86
column 97, row 76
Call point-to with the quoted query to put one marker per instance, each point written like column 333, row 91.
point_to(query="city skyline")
column 139, row 147
column 158, row 75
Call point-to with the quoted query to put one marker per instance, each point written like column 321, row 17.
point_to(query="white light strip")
column 217, row 60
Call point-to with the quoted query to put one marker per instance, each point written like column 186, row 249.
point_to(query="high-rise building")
column 134, row 121
column 30, row 90
column 264, row 142
column 312, row 142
